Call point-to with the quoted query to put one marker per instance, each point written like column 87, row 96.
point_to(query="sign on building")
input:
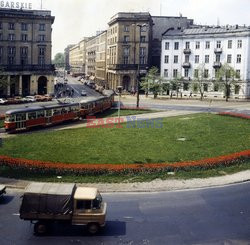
column 15, row 5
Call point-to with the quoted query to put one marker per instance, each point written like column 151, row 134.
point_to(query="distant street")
column 208, row 216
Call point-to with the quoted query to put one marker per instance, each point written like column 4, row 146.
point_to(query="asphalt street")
column 205, row 216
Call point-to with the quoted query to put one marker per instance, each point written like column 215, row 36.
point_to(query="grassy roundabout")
column 180, row 139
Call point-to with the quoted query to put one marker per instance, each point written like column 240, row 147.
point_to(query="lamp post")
column 119, row 88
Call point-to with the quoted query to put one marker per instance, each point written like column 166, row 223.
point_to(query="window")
column 166, row 59
column 239, row 44
column 83, row 204
column 186, row 58
column 167, row 46
column 236, row 89
column 24, row 50
column 186, row 72
column 126, row 39
column 126, row 28
column 207, row 45
column 206, row 73
column 229, row 58
column 142, row 55
column 143, row 39
column 1, row 50
column 217, row 58
column 11, row 60
column 175, row 73
column 11, row 50
column 216, row 72
column 238, row 58
column 126, row 51
column 187, row 45
column 41, row 60
column 41, row 51
column 142, row 51
column 218, row 44
column 165, row 72
column 237, row 74
column 11, row 37
column 41, row 27
column 197, row 45
column 24, row 26
column 24, row 37
column 206, row 58
column 196, row 59
column 185, row 86
column 229, row 44
column 41, row 38
column 125, row 60
column 175, row 59
column 196, row 73
column 1, row 25
column 216, row 87
column 11, row 26
column 144, row 28
column 205, row 87
column 176, row 45
column 1, row 36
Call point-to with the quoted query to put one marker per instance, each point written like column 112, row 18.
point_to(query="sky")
column 75, row 19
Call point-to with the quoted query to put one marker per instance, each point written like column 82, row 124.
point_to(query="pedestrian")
column 190, row 94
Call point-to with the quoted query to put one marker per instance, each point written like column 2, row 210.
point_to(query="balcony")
column 186, row 65
column 187, row 51
column 217, row 64
column 127, row 67
column 218, row 50
column 14, row 68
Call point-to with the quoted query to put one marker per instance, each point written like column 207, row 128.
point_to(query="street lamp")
column 119, row 88
column 138, row 68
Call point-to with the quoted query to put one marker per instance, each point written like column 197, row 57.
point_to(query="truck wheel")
column 40, row 228
column 93, row 228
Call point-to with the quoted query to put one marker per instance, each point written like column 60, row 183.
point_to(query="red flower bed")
column 61, row 168
column 233, row 114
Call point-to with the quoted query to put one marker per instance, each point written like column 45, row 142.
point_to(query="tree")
column 199, row 80
column 59, row 60
column 225, row 77
column 3, row 81
column 152, row 82
column 176, row 84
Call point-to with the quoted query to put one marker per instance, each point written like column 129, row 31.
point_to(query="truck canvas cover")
column 47, row 200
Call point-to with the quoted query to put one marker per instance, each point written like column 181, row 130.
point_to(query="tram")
column 30, row 117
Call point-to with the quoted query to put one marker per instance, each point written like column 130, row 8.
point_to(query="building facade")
column 101, row 47
column 128, row 49
column 91, row 47
column 25, row 52
column 66, row 56
column 186, row 52
column 77, row 57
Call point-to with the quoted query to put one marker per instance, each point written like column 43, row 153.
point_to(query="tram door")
column 21, row 121
column 48, row 116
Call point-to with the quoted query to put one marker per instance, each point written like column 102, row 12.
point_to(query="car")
column 3, row 101
column 48, row 97
column 83, row 93
column 2, row 190
column 30, row 98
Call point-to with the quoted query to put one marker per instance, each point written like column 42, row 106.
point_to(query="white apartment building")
column 186, row 51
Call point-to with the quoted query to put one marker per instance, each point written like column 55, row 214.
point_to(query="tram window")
column 40, row 114
column 49, row 113
column 32, row 115
column 56, row 112
column 64, row 111
column 20, row 117
column 10, row 118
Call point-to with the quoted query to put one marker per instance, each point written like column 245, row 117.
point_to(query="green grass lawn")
column 207, row 135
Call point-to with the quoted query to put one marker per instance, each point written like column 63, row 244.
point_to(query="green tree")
column 225, row 77
column 59, row 60
column 176, row 85
column 3, row 81
column 199, row 80
column 152, row 82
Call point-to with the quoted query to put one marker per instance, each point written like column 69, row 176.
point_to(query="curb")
column 157, row 185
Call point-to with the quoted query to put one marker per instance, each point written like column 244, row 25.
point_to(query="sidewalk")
column 153, row 186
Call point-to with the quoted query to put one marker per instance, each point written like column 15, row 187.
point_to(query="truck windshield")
column 97, row 201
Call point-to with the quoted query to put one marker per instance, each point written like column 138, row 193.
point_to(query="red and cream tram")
column 29, row 117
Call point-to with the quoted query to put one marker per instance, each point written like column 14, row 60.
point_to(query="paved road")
column 208, row 216
column 72, row 83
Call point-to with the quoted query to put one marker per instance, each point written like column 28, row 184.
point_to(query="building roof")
column 85, row 193
column 205, row 30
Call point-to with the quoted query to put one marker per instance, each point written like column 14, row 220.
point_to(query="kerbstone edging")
column 153, row 186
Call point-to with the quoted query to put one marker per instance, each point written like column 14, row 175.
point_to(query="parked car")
column 83, row 93
column 48, row 97
column 40, row 98
column 3, row 101
column 30, row 98
column 2, row 190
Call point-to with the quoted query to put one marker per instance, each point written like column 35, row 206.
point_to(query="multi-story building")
column 91, row 47
column 66, row 56
column 77, row 57
column 101, row 47
column 128, row 49
column 185, row 52
column 25, row 52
